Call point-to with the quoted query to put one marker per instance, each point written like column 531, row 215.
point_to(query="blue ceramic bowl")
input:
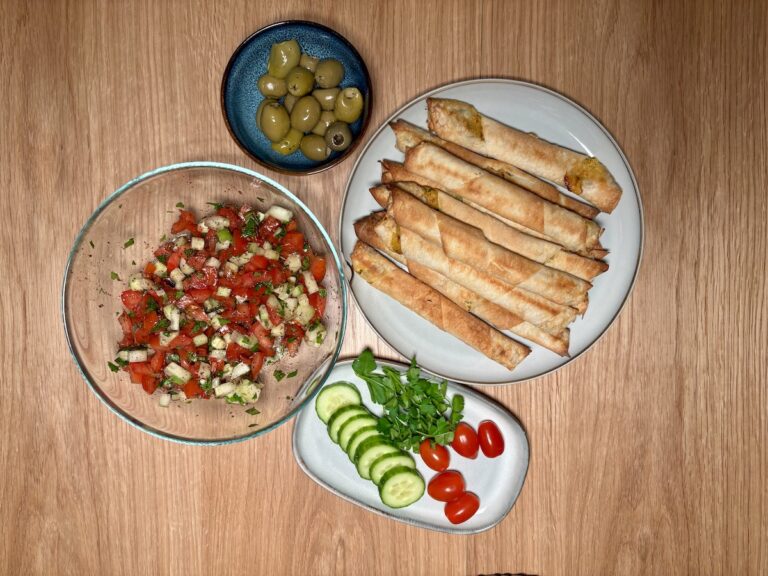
column 240, row 96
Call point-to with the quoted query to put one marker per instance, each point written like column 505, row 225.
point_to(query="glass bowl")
column 144, row 209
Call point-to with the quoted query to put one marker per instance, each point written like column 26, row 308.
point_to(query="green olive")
column 289, row 144
column 326, row 119
column 272, row 87
column 260, row 108
column 289, row 101
column 300, row 81
column 338, row 137
column 329, row 73
column 283, row 57
column 349, row 105
column 326, row 97
column 314, row 148
column 275, row 122
column 305, row 113
column 308, row 62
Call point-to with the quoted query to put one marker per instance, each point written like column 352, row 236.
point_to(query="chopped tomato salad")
column 224, row 296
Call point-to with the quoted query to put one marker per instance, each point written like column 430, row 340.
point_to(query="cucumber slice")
column 352, row 425
column 368, row 451
column 358, row 438
column 333, row 397
column 401, row 486
column 385, row 463
column 341, row 416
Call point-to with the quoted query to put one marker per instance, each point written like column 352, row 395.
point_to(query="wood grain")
column 648, row 453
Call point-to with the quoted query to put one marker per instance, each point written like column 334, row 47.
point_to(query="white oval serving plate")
column 557, row 119
column 496, row 481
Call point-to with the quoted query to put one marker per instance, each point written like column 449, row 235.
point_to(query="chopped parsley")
column 179, row 204
column 151, row 304
column 250, row 227
column 323, row 292
column 305, row 263
column 252, row 411
column 91, row 243
column 114, row 276
column 128, row 243
column 161, row 324
column 292, row 374
column 113, row 367
column 199, row 326
column 216, row 205
column 179, row 294
column 278, row 374
column 162, row 259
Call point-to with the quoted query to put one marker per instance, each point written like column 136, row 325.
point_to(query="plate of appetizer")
column 494, row 229
column 391, row 439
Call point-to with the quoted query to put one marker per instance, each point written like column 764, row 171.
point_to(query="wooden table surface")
column 648, row 453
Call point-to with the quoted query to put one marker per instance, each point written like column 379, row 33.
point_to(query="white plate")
column 555, row 118
column 496, row 481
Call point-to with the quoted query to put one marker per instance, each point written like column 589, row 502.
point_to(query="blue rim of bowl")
column 172, row 168
column 367, row 110
column 578, row 107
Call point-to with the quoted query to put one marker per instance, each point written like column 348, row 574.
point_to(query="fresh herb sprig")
column 414, row 410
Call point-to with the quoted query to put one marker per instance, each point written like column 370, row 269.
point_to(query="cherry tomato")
column 446, row 486
column 436, row 458
column 491, row 440
column 462, row 508
column 465, row 440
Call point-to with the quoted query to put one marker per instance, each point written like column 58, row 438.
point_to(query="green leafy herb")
column 279, row 234
column 198, row 326
column 163, row 238
column 128, row 243
column 305, row 263
column 113, row 367
column 414, row 410
column 120, row 362
column 162, row 259
column 292, row 374
column 179, row 294
column 91, row 243
column 278, row 374
column 151, row 304
column 323, row 292
column 161, row 324
column 234, row 399
column 179, row 204
column 114, row 276
column 188, row 252
column 291, row 339
column 216, row 205
column 173, row 357
column 252, row 411
column 250, row 227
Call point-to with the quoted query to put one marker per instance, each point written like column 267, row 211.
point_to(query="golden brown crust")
column 436, row 308
column 549, row 316
column 516, row 204
column 467, row 244
column 409, row 136
column 462, row 124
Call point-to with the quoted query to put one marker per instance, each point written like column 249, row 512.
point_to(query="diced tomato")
column 278, row 275
column 274, row 316
column 239, row 244
column 165, row 250
column 192, row 389
column 186, row 222
column 144, row 332
column 235, row 351
column 149, row 384
column 173, row 261
column 291, row 226
column 133, row 301
column 258, row 262
column 180, row 341
column 210, row 241
column 216, row 365
column 267, row 229
column 265, row 340
column 125, row 324
column 293, row 335
column 157, row 362
column 231, row 215
column 292, row 242
column 257, row 361
column 244, row 292
column 139, row 369
column 317, row 267
column 149, row 269
column 196, row 313
column 200, row 295
column 197, row 260
column 227, row 302
column 205, row 278
column 318, row 303
column 154, row 343
column 225, row 255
